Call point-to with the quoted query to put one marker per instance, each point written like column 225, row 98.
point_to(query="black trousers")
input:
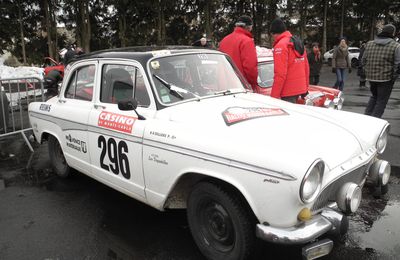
column 380, row 96
column 314, row 79
column 291, row 99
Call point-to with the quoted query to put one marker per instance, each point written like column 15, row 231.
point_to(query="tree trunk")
column 342, row 19
column 207, row 11
column 48, row 28
column 324, row 49
column 372, row 29
column 161, row 23
column 21, row 28
column 122, row 28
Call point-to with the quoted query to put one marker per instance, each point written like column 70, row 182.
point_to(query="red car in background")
column 50, row 64
column 317, row 95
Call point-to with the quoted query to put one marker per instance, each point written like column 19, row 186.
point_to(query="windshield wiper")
column 174, row 90
column 223, row 92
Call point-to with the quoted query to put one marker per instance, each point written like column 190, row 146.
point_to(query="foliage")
column 101, row 24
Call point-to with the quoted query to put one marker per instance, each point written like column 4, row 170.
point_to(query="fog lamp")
column 348, row 198
column 379, row 173
column 329, row 103
column 304, row 214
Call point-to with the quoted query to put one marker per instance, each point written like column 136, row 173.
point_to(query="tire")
column 57, row 159
column 330, row 61
column 220, row 223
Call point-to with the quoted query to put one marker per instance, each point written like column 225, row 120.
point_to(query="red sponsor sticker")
column 116, row 122
column 234, row 115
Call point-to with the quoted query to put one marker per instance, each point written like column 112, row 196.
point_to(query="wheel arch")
column 179, row 193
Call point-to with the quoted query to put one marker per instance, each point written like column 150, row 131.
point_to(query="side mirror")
column 130, row 104
column 127, row 104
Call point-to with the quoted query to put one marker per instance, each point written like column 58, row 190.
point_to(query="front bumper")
column 328, row 221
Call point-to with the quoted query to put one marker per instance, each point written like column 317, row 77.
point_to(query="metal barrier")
column 15, row 96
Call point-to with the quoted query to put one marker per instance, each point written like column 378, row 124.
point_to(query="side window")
column 80, row 85
column 123, row 81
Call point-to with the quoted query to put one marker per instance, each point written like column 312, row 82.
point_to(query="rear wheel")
column 57, row 158
column 220, row 223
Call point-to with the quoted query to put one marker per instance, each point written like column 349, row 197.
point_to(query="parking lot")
column 44, row 217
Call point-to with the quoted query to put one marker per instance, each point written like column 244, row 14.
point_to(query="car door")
column 73, row 110
column 116, row 136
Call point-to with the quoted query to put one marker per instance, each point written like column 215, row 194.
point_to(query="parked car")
column 318, row 95
column 177, row 128
column 354, row 52
column 50, row 64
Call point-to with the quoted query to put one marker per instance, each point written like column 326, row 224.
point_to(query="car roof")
column 264, row 54
column 143, row 53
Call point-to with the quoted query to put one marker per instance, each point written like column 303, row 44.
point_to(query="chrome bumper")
column 328, row 221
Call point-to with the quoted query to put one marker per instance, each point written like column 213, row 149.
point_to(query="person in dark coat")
column 381, row 61
column 315, row 62
column 51, row 81
column 72, row 53
column 360, row 70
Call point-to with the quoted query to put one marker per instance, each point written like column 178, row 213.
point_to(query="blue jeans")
column 340, row 76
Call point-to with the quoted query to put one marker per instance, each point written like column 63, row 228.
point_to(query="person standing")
column 341, row 62
column 291, row 69
column 381, row 62
column 239, row 45
column 360, row 70
column 315, row 62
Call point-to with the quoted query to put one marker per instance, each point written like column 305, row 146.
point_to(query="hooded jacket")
column 239, row 45
column 381, row 59
column 291, row 69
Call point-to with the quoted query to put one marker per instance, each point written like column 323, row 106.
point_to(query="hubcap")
column 216, row 225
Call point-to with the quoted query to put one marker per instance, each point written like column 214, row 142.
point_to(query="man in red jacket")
column 291, row 70
column 239, row 45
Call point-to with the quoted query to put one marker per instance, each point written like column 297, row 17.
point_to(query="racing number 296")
column 117, row 154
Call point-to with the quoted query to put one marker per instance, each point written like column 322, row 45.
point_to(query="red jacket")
column 291, row 70
column 239, row 45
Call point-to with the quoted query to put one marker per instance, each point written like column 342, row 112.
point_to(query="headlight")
column 311, row 184
column 329, row 103
column 309, row 102
column 338, row 101
column 382, row 140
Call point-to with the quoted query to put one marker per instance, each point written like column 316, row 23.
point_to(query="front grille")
column 328, row 195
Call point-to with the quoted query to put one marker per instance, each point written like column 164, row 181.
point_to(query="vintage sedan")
column 317, row 95
column 178, row 128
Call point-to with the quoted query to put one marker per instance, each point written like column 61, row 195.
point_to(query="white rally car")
column 178, row 128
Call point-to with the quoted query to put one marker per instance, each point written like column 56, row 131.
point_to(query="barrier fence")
column 15, row 96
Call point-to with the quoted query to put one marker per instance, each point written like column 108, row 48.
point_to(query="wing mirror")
column 128, row 104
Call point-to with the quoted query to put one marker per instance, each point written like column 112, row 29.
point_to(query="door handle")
column 99, row 106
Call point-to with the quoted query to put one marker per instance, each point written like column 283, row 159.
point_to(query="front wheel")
column 220, row 223
column 57, row 158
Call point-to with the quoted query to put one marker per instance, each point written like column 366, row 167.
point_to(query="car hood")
column 258, row 130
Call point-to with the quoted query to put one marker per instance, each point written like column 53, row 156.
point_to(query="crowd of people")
column 295, row 66
column 295, row 69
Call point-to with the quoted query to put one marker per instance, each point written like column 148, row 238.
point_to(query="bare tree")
column 324, row 47
column 21, row 27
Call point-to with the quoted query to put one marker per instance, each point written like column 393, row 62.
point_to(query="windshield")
column 265, row 74
column 193, row 76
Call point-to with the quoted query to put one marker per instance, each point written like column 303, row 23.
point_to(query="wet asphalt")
column 45, row 217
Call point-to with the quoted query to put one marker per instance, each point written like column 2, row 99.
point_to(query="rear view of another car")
column 318, row 95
